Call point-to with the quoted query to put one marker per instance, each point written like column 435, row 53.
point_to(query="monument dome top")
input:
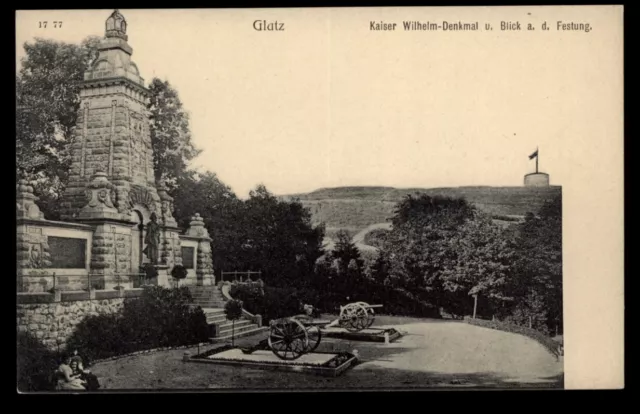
column 116, row 25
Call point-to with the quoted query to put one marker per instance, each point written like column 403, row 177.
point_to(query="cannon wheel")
column 371, row 315
column 288, row 339
column 354, row 317
column 315, row 336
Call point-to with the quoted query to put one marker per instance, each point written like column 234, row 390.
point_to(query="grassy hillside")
column 355, row 208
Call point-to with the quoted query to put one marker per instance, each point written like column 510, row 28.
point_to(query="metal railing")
column 75, row 282
column 241, row 277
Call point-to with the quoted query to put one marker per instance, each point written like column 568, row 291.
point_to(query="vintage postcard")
column 399, row 198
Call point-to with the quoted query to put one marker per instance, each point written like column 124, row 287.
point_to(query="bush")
column 178, row 272
column 400, row 302
column 269, row 302
column 233, row 309
column 149, row 271
column 35, row 364
column 159, row 318
column 551, row 345
column 274, row 303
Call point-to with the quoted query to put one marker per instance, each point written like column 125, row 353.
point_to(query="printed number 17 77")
column 56, row 25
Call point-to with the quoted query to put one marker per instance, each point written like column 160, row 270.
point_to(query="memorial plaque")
column 67, row 253
column 187, row 257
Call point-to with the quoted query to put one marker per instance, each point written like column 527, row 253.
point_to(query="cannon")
column 357, row 316
column 290, row 338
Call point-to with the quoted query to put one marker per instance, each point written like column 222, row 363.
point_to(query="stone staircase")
column 207, row 297
column 212, row 301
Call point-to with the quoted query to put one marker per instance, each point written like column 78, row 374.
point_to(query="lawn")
column 433, row 353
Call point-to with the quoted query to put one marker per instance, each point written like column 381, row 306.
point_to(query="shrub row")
column 159, row 318
column 551, row 345
column 274, row 303
column 35, row 364
column 269, row 302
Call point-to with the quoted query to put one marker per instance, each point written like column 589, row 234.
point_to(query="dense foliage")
column 443, row 251
column 47, row 103
column 259, row 233
column 35, row 364
column 537, row 284
column 341, row 277
column 159, row 318
column 271, row 302
column 170, row 133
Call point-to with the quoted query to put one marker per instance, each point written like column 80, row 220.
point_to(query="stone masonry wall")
column 109, row 257
column 112, row 136
column 54, row 323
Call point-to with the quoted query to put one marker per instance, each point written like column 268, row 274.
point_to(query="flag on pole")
column 534, row 155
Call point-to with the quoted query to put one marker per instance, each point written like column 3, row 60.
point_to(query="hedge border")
column 148, row 351
column 549, row 344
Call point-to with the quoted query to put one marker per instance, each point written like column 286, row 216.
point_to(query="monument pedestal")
column 164, row 278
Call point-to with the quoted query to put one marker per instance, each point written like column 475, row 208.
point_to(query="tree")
column 221, row 211
column 346, row 252
column 378, row 271
column 279, row 238
column 233, row 312
column 482, row 263
column 538, row 269
column 444, row 251
column 47, row 103
column 418, row 246
column 170, row 133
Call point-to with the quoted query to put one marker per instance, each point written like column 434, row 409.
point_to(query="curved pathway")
column 433, row 353
column 459, row 349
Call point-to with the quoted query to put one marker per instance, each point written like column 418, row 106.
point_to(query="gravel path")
column 433, row 354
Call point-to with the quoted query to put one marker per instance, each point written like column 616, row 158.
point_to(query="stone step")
column 213, row 311
column 216, row 319
column 239, row 330
column 213, row 302
column 254, row 331
column 210, row 305
column 207, row 296
column 227, row 325
column 211, row 314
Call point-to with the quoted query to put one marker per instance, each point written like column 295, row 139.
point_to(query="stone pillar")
column 26, row 206
column 110, row 256
column 111, row 247
column 32, row 249
column 204, row 263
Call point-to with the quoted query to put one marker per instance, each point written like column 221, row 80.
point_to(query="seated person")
column 90, row 380
column 67, row 379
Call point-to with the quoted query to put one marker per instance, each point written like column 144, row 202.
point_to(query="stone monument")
column 112, row 184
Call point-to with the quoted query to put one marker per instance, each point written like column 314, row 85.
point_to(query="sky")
column 327, row 102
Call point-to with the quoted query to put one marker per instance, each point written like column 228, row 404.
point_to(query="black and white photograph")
column 318, row 199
